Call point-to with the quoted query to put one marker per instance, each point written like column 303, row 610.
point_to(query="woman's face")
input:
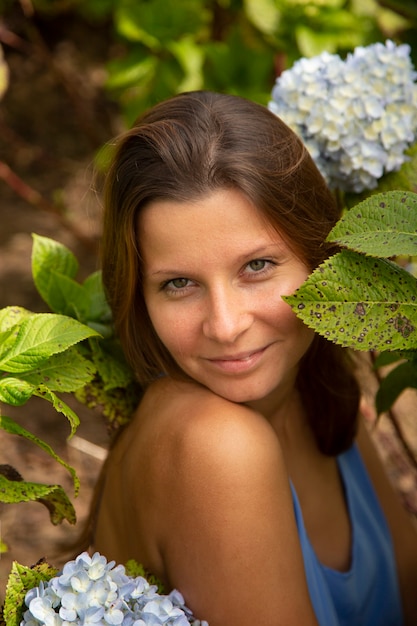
column 214, row 274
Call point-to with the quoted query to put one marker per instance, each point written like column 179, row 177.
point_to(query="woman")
column 246, row 479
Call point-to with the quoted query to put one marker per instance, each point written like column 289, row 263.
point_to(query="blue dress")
column 368, row 593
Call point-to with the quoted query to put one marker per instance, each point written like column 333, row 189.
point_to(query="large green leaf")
column 52, row 496
column 39, row 337
column 360, row 302
column 383, row 225
column 12, row 315
column 11, row 427
column 21, row 580
column 67, row 296
column 64, row 372
column 48, row 259
column 99, row 309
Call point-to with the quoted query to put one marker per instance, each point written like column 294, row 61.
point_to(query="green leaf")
column 11, row 427
column 387, row 358
column 99, row 309
column 264, row 14
column 21, row 580
column 135, row 569
column 64, row 372
column 52, row 496
column 190, row 56
column 117, row 405
column 12, row 315
column 48, row 259
column 60, row 406
column 15, row 392
column 383, row 225
column 39, row 337
column 133, row 69
column 111, row 366
column 67, row 297
column 157, row 22
column 360, row 302
column 402, row 377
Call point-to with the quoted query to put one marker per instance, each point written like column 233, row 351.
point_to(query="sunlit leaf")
column 383, row 225
column 360, row 302
column 52, row 496
column 264, row 14
column 64, row 372
column 191, row 58
column 39, row 337
column 50, row 256
column 131, row 70
column 21, row 580
column 15, row 392
column 12, row 315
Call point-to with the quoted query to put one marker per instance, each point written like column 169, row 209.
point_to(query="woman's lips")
column 238, row 363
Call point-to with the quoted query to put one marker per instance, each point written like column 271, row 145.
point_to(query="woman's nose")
column 227, row 316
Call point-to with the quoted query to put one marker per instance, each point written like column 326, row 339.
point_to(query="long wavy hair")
column 186, row 148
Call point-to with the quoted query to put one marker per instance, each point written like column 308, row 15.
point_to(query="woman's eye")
column 178, row 283
column 257, row 265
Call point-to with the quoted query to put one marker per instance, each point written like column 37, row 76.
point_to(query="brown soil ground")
column 52, row 119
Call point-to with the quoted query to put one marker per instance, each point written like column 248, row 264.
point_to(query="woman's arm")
column 403, row 530
column 229, row 540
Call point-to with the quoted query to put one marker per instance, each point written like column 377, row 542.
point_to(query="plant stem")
column 34, row 198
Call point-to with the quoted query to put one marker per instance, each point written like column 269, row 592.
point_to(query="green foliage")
column 233, row 46
column 71, row 350
column 163, row 47
column 361, row 299
column 135, row 569
column 20, row 580
column 52, row 496
column 380, row 228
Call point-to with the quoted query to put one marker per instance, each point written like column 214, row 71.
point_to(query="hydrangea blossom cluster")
column 92, row 591
column 356, row 117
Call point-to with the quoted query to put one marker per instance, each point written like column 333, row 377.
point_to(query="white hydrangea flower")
column 92, row 591
column 356, row 117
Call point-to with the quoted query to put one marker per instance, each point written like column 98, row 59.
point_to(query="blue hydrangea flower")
column 357, row 117
column 93, row 592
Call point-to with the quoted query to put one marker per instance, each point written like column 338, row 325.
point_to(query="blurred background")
column 75, row 73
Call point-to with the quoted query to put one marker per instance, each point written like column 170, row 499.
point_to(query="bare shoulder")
column 209, row 490
column 223, row 499
column 188, row 418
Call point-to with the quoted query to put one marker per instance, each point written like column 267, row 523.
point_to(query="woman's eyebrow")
column 251, row 253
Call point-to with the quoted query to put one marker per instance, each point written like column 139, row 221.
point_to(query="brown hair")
column 192, row 145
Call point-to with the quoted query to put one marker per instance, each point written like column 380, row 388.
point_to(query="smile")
column 237, row 363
